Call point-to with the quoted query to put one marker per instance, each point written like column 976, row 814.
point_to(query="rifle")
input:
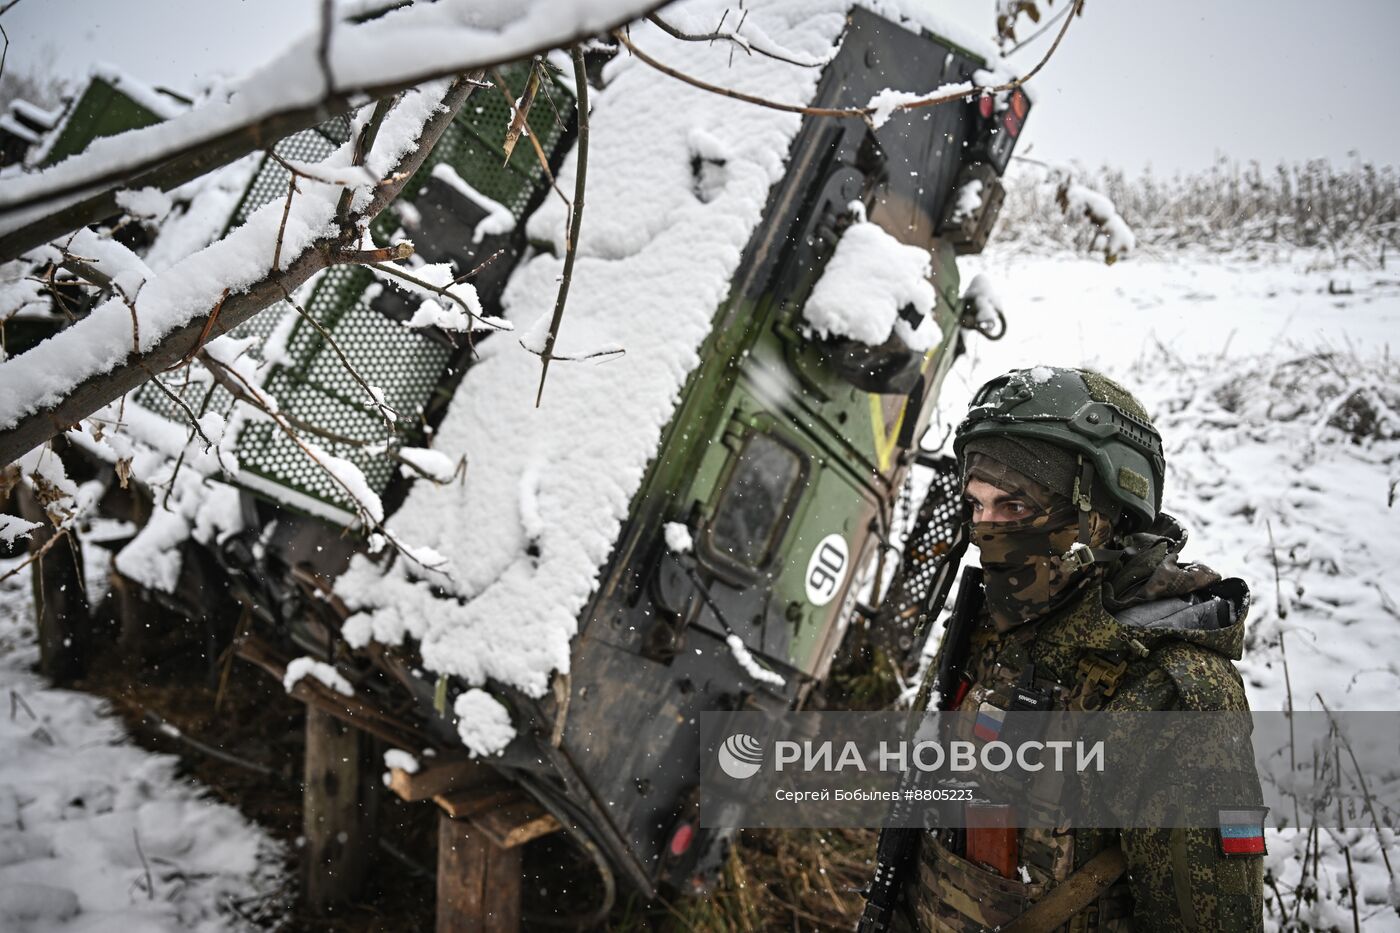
column 899, row 841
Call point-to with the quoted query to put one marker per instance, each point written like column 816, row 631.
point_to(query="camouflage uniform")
column 1129, row 630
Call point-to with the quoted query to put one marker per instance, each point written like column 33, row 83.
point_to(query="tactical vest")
column 952, row 894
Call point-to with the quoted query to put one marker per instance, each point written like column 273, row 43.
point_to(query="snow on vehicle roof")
column 48, row 119
column 547, row 489
column 161, row 103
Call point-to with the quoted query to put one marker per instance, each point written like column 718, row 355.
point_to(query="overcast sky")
column 1173, row 83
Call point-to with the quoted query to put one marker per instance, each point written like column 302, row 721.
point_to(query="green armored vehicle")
column 785, row 458
column 759, row 534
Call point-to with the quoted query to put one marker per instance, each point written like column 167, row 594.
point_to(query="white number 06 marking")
column 826, row 571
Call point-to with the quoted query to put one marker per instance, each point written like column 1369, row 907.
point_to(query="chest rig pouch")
column 956, row 894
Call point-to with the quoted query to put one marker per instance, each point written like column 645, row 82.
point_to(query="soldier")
column 1084, row 603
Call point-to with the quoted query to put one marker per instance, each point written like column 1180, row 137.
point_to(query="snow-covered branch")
column 374, row 59
column 93, row 362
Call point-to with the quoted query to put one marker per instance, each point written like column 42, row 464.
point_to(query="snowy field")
column 1276, row 388
column 97, row 834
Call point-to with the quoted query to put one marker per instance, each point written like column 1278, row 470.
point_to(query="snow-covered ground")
column 97, row 834
column 1243, row 365
column 1276, row 390
column 1274, row 386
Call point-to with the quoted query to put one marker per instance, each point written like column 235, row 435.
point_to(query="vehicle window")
column 756, row 502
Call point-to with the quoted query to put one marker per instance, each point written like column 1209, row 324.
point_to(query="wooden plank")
column 478, row 883
column 337, row 811
column 349, row 709
column 462, row 804
column 514, row 824
column 438, row 778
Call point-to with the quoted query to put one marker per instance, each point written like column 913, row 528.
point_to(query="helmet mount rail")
column 1085, row 413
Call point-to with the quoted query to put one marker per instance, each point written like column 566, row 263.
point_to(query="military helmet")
column 1085, row 412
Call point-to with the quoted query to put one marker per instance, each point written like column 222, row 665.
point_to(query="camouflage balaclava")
column 1027, row 565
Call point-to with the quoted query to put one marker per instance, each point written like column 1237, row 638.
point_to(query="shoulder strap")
column 1086, row 885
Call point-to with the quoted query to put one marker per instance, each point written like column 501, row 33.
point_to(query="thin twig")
column 150, row 885
column 236, row 390
column 205, row 330
column 1041, row 31
column 523, row 116
column 300, row 171
column 575, row 220
column 1346, row 846
column 364, row 142
column 388, row 414
column 1292, row 738
column 519, row 109
column 323, row 46
column 194, row 421
column 282, row 227
column 37, row 555
column 733, row 37
column 1278, row 585
column 230, row 653
column 180, row 460
column 479, row 266
column 860, row 112
column 438, row 290
column 166, row 729
column 256, row 398
column 575, row 359
column 17, row 701
column 1361, row 778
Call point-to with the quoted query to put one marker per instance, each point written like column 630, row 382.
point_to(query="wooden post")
column 337, row 810
column 60, row 596
column 478, row 882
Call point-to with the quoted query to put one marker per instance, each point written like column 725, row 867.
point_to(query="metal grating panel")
column 904, row 616
column 314, row 387
column 271, row 181
column 473, row 146
column 320, row 392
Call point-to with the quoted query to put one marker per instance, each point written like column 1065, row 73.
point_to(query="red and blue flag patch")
column 1242, row 831
column 989, row 722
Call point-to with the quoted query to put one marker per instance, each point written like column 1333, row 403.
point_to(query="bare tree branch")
column 99, row 390
column 323, row 45
column 846, row 112
column 521, row 114
column 42, row 214
column 254, row 396
column 519, row 108
column 4, row 52
column 575, row 220
column 385, row 412
column 364, row 142
column 734, row 37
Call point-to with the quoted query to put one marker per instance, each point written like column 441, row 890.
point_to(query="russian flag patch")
column 989, row 722
column 1242, row 831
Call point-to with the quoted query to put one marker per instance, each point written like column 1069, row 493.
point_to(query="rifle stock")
column 898, row 844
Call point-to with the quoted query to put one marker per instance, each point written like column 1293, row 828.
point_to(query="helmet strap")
column 1083, row 484
column 1083, row 553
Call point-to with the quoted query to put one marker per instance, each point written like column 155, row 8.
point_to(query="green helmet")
column 1084, row 412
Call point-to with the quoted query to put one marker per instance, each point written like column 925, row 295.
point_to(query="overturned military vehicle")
column 762, row 312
